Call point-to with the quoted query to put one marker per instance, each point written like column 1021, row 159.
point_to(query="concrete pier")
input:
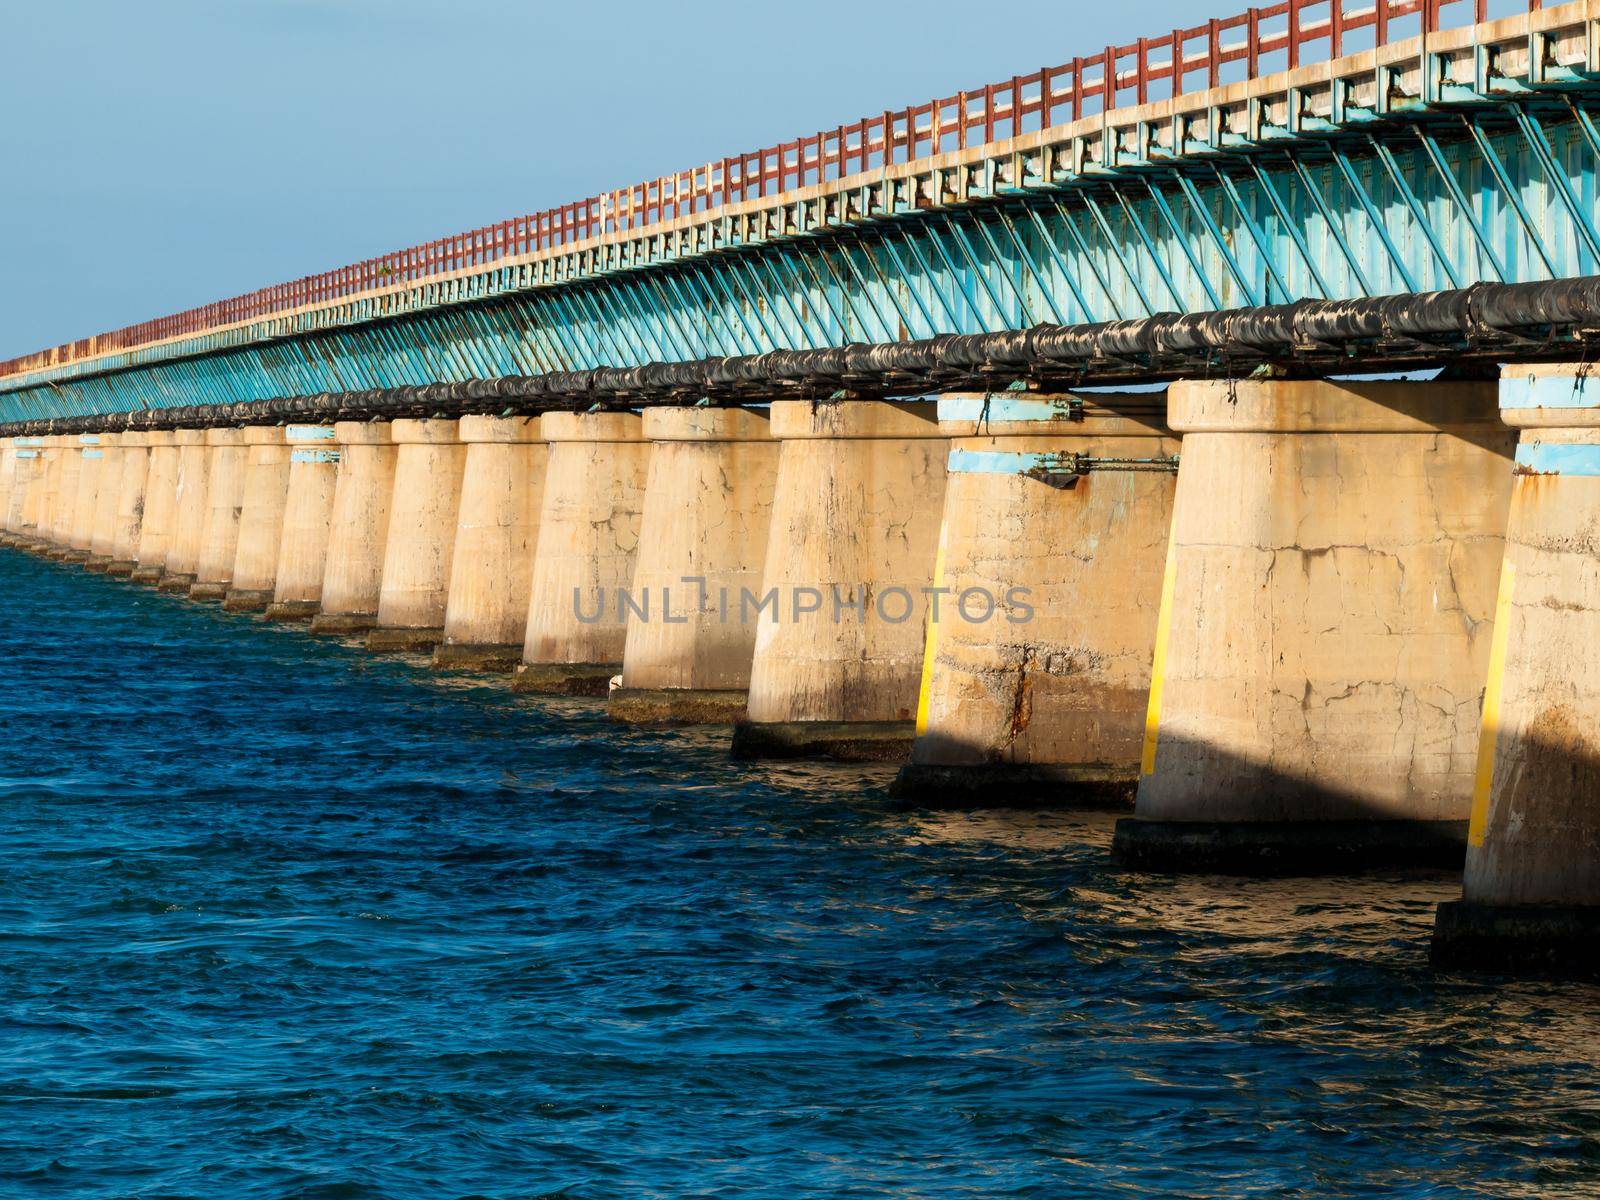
column 1036, row 673
column 128, row 518
column 359, row 528
column 497, row 529
column 266, row 489
column 60, row 498
column 422, row 532
column 850, row 556
column 22, row 505
column 182, row 558
column 588, row 537
column 160, row 497
column 108, row 494
column 307, row 522
column 1325, row 627
column 85, row 497
column 8, row 479
column 703, row 538
column 1531, row 892
column 219, row 538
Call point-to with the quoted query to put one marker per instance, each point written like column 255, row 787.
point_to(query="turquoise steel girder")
column 1435, row 197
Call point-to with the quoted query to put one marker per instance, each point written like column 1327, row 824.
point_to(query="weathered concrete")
column 129, row 516
column 422, row 534
column 358, row 529
column 266, row 491
column 850, row 554
column 160, row 508
column 1326, row 622
column 30, row 461
column 588, row 537
column 497, row 528
column 8, row 478
column 188, row 511
column 60, row 495
column 1036, row 668
column 79, row 531
column 703, row 537
column 108, row 494
column 1531, row 892
column 307, row 522
column 219, row 539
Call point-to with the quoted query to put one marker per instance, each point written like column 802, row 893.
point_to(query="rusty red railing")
column 1149, row 69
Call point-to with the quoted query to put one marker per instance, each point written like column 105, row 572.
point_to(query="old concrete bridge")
column 817, row 441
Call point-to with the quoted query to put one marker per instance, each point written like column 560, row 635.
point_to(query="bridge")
column 719, row 445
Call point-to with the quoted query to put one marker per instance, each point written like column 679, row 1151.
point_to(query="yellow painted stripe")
column 929, row 644
column 1489, row 731
column 1158, row 669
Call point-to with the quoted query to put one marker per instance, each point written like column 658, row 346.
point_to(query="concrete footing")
column 588, row 537
column 565, row 679
column 849, row 563
column 307, row 522
column 497, row 529
column 703, row 539
column 1325, row 625
column 1014, row 785
column 224, row 504
column 1520, row 939
column 420, row 547
column 291, row 611
column 676, row 706
column 1531, row 890
column 412, row 639
column 476, row 656
column 1036, row 668
column 1288, row 847
column 358, row 528
column 844, row 741
column 343, row 624
column 266, row 486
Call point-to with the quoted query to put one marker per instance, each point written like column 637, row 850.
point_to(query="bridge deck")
column 1430, row 161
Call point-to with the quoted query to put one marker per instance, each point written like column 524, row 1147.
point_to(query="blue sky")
column 165, row 153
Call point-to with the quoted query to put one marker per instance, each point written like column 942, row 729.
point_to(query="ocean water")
column 280, row 919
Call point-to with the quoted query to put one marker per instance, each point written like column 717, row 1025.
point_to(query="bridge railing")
column 1287, row 34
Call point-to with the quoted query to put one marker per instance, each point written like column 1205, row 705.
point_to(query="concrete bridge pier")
column 8, row 480
column 22, row 505
column 103, row 530
column 182, row 559
column 588, row 538
column 129, row 517
column 358, row 530
column 497, row 529
column 228, row 455
column 307, row 522
column 266, row 490
column 849, row 561
column 1325, row 627
column 79, row 530
column 1036, row 674
column 703, row 537
column 160, row 497
column 60, row 496
column 1531, row 892
column 422, row 534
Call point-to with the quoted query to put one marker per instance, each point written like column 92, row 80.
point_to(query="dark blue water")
column 278, row 919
